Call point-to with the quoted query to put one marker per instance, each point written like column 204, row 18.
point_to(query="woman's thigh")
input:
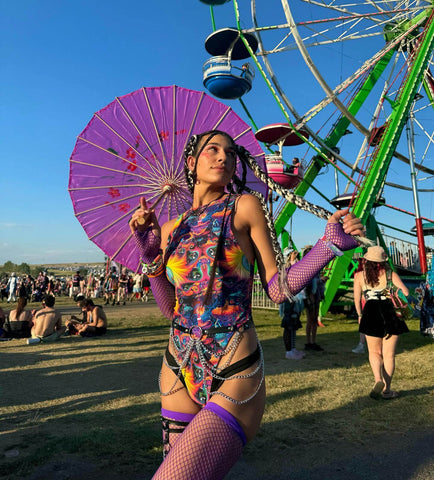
column 375, row 344
column 389, row 346
column 179, row 400
column 249, row 414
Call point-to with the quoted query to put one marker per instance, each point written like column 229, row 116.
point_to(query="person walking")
column 378, row 320
column 12, row 288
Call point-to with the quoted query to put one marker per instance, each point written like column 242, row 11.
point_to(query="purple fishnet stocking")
column 207, row 450
column 163, row 291
column 301, row 273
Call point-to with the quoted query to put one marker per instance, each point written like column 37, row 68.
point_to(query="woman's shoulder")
column 246, row 204
column 169, row 226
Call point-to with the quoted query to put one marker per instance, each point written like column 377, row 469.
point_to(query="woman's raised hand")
column 143, row 218
column 351, row 224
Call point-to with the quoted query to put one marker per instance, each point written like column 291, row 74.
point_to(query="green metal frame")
column 383, row 153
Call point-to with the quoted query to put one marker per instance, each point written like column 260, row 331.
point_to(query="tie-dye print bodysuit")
column 189, row 255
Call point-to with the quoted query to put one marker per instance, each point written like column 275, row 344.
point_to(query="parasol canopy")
column 134, row 147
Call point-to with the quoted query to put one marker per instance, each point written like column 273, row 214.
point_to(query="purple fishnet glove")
column 164, row 293
column 148, row 244
column 335, row 234
column 301, row 273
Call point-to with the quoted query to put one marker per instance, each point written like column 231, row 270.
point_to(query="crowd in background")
column 114, row 287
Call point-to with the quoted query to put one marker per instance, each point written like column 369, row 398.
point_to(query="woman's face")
column 216, row 163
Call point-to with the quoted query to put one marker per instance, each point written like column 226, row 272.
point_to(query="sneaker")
column 316, row 347
column 359, row 349
column 291, row 355
column 300, row 354
column 308, row 346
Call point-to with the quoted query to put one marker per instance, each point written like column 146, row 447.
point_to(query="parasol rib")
column 193, row 120
column 118, row 200
column 110, row 225
column 74, row 189
column 105, row 168
column 123, row 139
column 122, row 246
column 151, row 113
column 157, row 171
column 133, row 123
column 220, row 120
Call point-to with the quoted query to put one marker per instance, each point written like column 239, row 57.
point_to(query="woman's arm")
column 358, row 294
column 151, row 240
column 396, row 279
column 250, row 220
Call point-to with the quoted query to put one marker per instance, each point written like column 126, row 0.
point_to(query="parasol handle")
column 166, row 189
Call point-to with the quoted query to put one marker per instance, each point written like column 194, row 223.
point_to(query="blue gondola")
column 220, row 76
column 214, row 2
column 225, row 80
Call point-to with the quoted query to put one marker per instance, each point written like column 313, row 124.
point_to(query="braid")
column 297, row 200
column 291, row 197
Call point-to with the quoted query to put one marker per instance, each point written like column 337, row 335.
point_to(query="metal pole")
column 411, row 155
column 336, row 182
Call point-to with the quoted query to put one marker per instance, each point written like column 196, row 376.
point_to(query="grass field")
column 89, row 408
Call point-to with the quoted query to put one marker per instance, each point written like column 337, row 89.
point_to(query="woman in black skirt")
column 379, row 321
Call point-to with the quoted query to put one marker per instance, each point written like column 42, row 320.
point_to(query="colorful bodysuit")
column 200, row 333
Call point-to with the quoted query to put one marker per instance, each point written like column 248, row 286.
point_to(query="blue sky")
column 62, row 61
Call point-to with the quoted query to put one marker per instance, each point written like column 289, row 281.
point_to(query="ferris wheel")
column 353, row 80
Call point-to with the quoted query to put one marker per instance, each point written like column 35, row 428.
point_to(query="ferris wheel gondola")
column 221, row 76
column 282, row 135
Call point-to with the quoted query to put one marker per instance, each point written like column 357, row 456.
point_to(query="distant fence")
column 260, row 298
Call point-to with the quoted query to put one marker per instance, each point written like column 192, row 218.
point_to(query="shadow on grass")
column 94, row 414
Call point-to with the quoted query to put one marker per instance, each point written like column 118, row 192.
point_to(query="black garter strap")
column 227, row 372
column 198, row 332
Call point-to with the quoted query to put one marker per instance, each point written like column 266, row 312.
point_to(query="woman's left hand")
column 351, row 224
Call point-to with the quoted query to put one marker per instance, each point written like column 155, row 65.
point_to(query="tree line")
column 22, row 269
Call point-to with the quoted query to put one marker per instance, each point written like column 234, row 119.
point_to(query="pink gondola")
column 282, row 135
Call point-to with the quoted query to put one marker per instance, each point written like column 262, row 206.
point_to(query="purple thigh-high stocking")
column 174, row 424
column 302, row 272
column 208, row 448
column 148, row 245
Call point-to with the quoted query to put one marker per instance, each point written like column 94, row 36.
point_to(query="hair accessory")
column 375, row 254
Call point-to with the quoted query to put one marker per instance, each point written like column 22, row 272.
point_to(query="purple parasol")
column 134, row 147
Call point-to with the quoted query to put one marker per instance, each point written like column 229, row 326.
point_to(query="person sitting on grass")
column 96, row 324
column 47, row 322
column 74, row 321
column 20, row 320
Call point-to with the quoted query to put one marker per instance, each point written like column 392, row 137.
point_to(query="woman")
column 313, row 296
column 379, row 322
column 20, row 320
column 201, row 269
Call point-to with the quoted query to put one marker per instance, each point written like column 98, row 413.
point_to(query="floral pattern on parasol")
column 134, row 147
